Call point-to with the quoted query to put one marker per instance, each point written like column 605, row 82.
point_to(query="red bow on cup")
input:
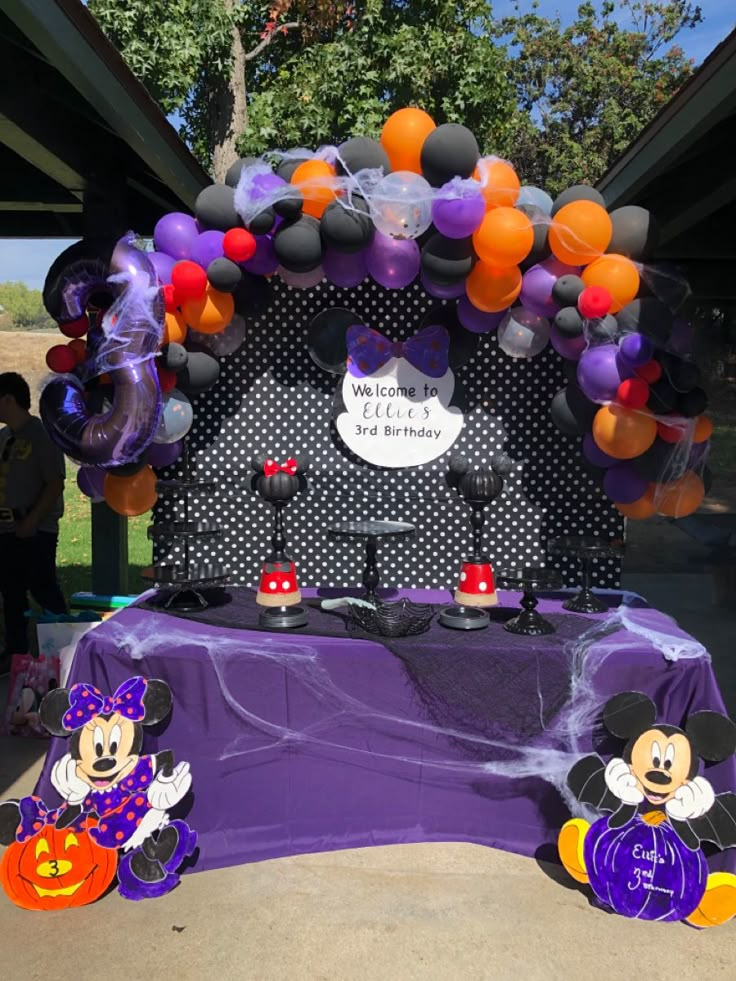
column 270, row 467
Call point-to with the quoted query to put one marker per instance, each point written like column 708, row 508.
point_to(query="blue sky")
column 28, row 260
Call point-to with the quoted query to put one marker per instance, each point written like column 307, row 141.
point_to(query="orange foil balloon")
column 211, row 313
column 641, row 509
column 315, row 178
column 623, row 433
column 681, row 497
column 493, row 288
column 131, row 496
column 175, row 328
column 499, row 182
column 504, row 238
column 618, row 275
column 403, row 136
column 580, row 232
column 703, row 429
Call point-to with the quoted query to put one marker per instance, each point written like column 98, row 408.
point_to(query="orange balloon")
column 499, row 182
column 680, row 497
column 131, row 496
column 623, row 433
column 703, row 429
column 618, row 275
column 580, row 232
column 641, row 509
column 493, row 288
column 403, row 136
column 504, row 237
column 210, row 313
column 175, row 328
column 315, row 179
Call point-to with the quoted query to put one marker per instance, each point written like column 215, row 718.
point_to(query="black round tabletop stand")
column 529, row 580
column 371, row 532
column 586, row 548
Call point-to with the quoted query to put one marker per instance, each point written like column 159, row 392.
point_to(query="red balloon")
column 169, row 297
column 61, row 359
column 189, row 281
column 239, row 245
column 78, row 349
column 594, row 302
column 671, row 434
column 75, row 328
column 166, row 378
column 650, row 372
column 633, row 393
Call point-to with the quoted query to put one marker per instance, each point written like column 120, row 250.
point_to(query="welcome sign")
column 397, row 398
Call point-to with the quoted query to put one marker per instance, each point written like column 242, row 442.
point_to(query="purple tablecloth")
column 299, row 743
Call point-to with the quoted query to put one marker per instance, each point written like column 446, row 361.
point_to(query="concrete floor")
column 442, row 911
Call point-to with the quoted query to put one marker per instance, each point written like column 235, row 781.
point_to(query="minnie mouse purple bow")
column 87, row 702
column 368, row 351
column 34, row 815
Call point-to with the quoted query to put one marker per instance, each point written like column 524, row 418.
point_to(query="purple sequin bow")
column 368, row 351
column 87, row 702
column 34, row 816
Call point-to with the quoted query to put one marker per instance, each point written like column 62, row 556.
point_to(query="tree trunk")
column 228, row 109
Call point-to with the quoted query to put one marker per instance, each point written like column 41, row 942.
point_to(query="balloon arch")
column 421, row 202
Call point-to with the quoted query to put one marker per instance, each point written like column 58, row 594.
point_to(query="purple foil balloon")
column 635, row 349
column 595, row 455
column 162, row 264
column 475, row 320
column 458, row 217
column 537, row 283
column 343, row 269
column 644, row 871
column 207, row 247
column 164, row 454
column 601, row 371
column 265, row 261
column 623, row 484
column 174, row 234
column 91, row 481
column 392, row 262
column 452, row 292
column 569, row 348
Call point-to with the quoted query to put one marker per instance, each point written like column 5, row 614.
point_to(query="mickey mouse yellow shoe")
column 718, row 903
column 570, row 846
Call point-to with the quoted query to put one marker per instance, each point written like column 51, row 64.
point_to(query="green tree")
column 587, row 90
column 24, row 307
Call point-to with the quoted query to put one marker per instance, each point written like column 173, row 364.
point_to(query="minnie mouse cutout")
column 648, row 863
column 104, row 776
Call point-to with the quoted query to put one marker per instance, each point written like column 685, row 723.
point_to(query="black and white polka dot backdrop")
column 271, row 397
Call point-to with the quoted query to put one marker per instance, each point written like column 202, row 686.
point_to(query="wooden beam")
column 695, row 213
column 41, row 206
column 40, row 156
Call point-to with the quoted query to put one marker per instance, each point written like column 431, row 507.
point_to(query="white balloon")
column 225, row 342
column 176, row 418
column 401, row 205
column 522, row 334
column 528, row 194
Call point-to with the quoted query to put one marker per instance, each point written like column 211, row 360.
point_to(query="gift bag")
column 30, row 679
column 58, row 636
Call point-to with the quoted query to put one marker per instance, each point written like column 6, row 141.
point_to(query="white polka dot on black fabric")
column 272, row 398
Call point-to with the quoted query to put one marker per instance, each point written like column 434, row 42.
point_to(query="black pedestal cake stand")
column 189, row 581
column 586, row 548
column 371, row 532
column 530, row 580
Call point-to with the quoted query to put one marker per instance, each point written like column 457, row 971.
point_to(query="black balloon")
column 662, row 461
column 540, row 249
column 579, row 192
column 707, row 478
column 604, row 328
column 290, row 205
column 562, row 415
column 567, row 289
column 635, row 233
column 175, row 356
column 449, row 151
column 362, row 153
column 646, row 315
column 662, row 397
column 215, row 208
column 347, row 230
column 128, row 469
column 199, row 375
column 569, row 322
column 253, row 296
column 446, row 261
column 233, row 175
column 298, row 244
column 463, row 343
column 262, row 223
column 289, row 164
column 502, row 464
column 684, row 376
column 225, row 275
column 693, row 403
column 326, row 338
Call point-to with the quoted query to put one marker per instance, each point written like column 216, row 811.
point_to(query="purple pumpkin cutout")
column 644, row 871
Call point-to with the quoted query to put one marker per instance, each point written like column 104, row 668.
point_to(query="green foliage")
column 23, row 307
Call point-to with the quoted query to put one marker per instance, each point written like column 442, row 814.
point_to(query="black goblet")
column 586, row 548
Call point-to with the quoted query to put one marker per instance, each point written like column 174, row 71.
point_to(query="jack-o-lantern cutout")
column 56, row 869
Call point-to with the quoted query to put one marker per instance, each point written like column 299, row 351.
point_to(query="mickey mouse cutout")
column 103, row 776
column 648, row 864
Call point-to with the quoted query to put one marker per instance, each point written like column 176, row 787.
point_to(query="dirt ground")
column 25, row 352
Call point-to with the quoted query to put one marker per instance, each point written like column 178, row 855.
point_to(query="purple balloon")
column 264, row 262
column 601, row 371
column 207, row 247
column 537, row 283
column 443, row 292
column 91, row 481
column 475, row 320
column 392, row 262
column 595, row 455
column 623, row 484
column 458, row 217
column 570, row 348
column 164, row 454
column 174, row 234
column 162, row 264
column 343, row 269
column 635, row 349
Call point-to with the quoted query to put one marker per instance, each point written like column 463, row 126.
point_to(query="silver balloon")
column 176, row 418
column 226, row 342
column 522, row 334
column 302, row 281
column 401, row 205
